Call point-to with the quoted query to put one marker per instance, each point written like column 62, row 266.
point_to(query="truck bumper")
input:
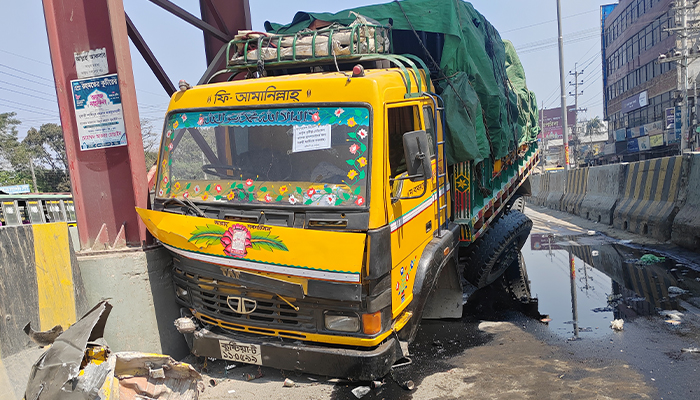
column 353, row 364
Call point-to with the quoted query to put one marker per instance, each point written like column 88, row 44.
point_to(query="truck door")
column 411, row 212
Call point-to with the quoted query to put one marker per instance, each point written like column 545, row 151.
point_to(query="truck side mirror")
column 415, row 147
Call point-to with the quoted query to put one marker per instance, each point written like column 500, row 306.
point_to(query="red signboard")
column 551, row 122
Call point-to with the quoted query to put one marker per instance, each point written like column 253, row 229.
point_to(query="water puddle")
column 585, row 282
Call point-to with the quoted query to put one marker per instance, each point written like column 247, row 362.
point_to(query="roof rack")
column 359, row 42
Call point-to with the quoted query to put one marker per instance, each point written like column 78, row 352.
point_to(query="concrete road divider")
column 575, row 190
column 556, row 189
column 544, row 190
column 686, row 225
column 649, row 202
column 41, row 284
column 605, row 185
column 535, row 187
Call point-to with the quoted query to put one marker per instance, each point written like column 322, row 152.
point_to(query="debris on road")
column 691, row 350
column 288, row 383
column 79, row 366
column 649, row 259
column 44, row 338
column 617, row 324
column 360, row 391
column 676, row 291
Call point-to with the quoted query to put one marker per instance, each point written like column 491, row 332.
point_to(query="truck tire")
column 488, row 257
column 516, row 281
column 517, row 202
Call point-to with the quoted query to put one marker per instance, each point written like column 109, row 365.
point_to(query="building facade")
column 639, row 90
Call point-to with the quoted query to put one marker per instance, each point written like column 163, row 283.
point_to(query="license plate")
column 241, row 352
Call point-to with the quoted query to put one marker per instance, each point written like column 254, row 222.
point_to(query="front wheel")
column 488, row 257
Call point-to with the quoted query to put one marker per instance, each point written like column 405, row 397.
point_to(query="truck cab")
column 307, row 216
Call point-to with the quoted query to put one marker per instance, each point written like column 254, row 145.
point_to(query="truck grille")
column 209, row 297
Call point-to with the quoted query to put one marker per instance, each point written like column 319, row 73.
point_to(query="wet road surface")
column 540, row 355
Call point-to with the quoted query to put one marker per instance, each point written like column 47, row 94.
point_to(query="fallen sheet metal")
column 78, row 366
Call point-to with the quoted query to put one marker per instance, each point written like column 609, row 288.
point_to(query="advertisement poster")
column 91, row 63
column 551, row 122
column 632, row 146
column 98, row 112
column 670, row 118
column 643, row 143
column 656, row 140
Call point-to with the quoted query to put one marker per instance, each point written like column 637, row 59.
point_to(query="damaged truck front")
column 309, row 207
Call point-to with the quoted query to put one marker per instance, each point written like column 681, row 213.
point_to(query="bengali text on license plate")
column 245, row 353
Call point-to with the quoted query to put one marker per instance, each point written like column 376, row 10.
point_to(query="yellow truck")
column 310, row 209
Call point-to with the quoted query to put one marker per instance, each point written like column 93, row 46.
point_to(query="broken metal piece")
column 185, row 325
column 44, row 338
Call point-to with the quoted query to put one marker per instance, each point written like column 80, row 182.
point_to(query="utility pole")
column 31, row 167
column 684, row 74
column 575, row 74
column 562, row 81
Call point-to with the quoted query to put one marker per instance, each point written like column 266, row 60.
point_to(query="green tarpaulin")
column 488, row 106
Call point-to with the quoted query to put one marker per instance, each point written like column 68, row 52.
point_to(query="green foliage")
column 207, row 235
column 266, row 241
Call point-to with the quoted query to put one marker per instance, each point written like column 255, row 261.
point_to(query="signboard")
column 620, row 135
column 678, row 122
column 551, row 122
column 609, row 149
column 98, row 112
column 656, row 140
column 311, row 137
column 670, row 118
column 653, row 128
column 632, row 146
column 15, row 189
column 636, row 131
column 672, row 137
column 542, row 241
column 91, row 63
column 637, row 101
column 644, row 143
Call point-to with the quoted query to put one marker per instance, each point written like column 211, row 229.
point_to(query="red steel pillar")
column 109, row 182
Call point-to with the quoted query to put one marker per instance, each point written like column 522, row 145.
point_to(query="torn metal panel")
column 54, row 375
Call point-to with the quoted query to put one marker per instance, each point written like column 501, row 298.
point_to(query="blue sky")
column 26, row 79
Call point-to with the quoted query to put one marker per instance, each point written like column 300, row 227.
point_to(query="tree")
column 151, row 140
column 11, row 150
column 47, row 147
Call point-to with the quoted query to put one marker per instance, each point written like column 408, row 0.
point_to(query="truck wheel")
column 517, row 202
column 516, row 280
column 489, row 256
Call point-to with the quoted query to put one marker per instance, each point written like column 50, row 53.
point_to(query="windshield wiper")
column 187, row 204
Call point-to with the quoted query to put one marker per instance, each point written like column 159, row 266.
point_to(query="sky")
column 26, row 77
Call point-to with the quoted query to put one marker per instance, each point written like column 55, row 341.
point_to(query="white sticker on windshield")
column 311, row 137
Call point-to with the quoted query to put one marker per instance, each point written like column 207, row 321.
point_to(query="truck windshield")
column 285, row 156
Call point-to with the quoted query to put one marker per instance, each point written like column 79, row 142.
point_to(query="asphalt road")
column 506, row 354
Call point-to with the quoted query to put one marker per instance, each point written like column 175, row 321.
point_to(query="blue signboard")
column 639, row 100
column 620, row 135
column 632, row 146
column 98, row 112
column 15, row 189
column 670, row 118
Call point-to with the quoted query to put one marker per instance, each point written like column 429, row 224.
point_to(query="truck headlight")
column 342, row 322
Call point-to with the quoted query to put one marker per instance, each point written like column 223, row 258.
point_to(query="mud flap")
column 446, row 299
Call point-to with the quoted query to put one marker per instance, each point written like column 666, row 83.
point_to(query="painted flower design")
column 176, row 124
column 201, row 121
column 351, row 122
column 205, row 197
column 353, row 149
column 292, row 199
column 231, row 195
column 165, row 162
column 311, row 192
column 184, row 117
column 338, row 112
column 360, row 201
column 236, row 241
column 170, row 146
column 362, row 161
column 352, row 174
column 165, row 179
column 160, row 192
column 196, row 189
column 176, row 186
column 315, row 117
column 249, row 182
column 330, row 199
column 268, row 198
column 186, row 194
column 217, row 188
column 283, row 190
column 169, row 133
column 362, row 133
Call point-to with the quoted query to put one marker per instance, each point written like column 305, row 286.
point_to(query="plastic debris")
column 595, row 253
column 408, row 385
column 591, row 233
column 360, row 391
column 231, row 391
column 230, row 367
column 648, row 259
column 376, row 384
column 250, row 377
column 691, row 350
column 672, row 314
column 676, row 291
column 617, row 324
column 288, row 383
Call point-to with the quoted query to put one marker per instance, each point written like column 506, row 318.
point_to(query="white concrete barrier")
column 605, row 185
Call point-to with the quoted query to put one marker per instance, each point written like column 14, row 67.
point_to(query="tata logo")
column 242, row 305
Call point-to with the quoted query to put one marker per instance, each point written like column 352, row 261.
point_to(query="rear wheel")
column 489, row 256
column 516, row 281
column 517, row 202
